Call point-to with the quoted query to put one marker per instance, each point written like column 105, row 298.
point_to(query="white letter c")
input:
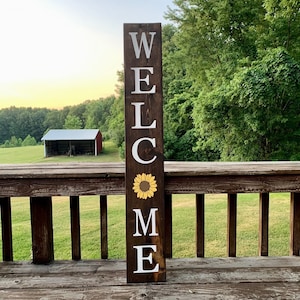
column 135, row 154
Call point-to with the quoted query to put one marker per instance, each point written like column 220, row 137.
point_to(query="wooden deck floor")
column 199, row 278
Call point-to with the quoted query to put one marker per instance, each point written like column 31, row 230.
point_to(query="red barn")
column 72, row 142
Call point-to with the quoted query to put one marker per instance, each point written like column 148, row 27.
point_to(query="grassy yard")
column 183, row 226
column 35, row 154
column 183, row 218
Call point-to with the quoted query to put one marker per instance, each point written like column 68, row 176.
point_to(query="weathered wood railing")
column 42, row 181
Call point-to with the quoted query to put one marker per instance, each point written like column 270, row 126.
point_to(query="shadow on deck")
column 198, row 278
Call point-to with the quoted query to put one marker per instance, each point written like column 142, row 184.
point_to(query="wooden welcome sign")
column 144, row 153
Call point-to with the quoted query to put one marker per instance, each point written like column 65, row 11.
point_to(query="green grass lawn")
column 184, row 218
column 35, row 154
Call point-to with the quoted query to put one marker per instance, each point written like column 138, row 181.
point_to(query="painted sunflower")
column 144, row 185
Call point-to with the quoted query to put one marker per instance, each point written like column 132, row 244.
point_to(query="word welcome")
column 144, row 162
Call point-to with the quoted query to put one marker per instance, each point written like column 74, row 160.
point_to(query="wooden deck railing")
column 41, row 182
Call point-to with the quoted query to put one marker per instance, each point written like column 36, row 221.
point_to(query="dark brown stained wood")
column 144, row 151
column 103, row 226
column 264, row 224
column 75, row 227
column 7, row 247
column 232, row 184
column 231, row 224
column 295, row 224
column 168, row 227
column 41, row 230
column 200, row 238
column 62, row 187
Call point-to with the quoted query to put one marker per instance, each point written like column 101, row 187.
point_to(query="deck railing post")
column 264, row 224
column 295, row 224
column 75, row 227
column 200, row 225
column 41, row 230
column 168, row 226
column 7, row 247
column 231, row 224
column 103, row 226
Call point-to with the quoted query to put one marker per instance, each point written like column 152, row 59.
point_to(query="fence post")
column 103, row 226
column 264, row 224
column 231, row 224
column 200, row 225
column 168, row 226
column 295, row 224
column 41, row 230
column 75, row 227
column 7, row 247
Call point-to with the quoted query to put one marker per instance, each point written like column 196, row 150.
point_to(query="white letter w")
column 143, row 43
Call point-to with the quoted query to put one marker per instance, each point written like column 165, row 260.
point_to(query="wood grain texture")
column 263, row 248
column 295, row 224
column 41, row 230
column 75, row 227
column 201, row 278
column 180, row 178
column 144, row 149
column 103, row 227
column 231, row 224
column 198, row 278
column 6, row 228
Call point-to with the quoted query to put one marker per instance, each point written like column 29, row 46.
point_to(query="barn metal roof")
column 70, row 134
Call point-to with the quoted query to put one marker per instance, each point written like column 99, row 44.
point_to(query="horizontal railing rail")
column 40, row 182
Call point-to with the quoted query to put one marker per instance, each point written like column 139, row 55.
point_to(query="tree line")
column 21, row 126
column 231, row 85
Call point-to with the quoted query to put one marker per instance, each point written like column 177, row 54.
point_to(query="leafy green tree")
column 5, row 132
column 178, row 101
column 116, row 124
column 29, row 141
column 214, row 36
column 78, row 111
column 256, row 116
column 20, row 122
column 232, row 51
column 54, row 119
column 97, row 113
column 283, row 30
column 178, row 124
column 13, row 142
column 72, row 122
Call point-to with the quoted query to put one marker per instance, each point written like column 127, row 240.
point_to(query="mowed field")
column 184, row 218
column 35, row 154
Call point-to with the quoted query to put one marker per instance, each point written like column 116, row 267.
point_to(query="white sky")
column 62, row 52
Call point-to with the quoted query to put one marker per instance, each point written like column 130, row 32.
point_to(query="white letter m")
column 139, row 219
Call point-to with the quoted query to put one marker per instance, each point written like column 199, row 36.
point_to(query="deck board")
column 198, row 278
column 76, row 179
column 172, row 168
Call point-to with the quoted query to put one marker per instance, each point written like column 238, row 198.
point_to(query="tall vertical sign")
column 144, row 153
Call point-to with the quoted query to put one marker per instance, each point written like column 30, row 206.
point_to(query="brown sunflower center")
column 144, row 186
